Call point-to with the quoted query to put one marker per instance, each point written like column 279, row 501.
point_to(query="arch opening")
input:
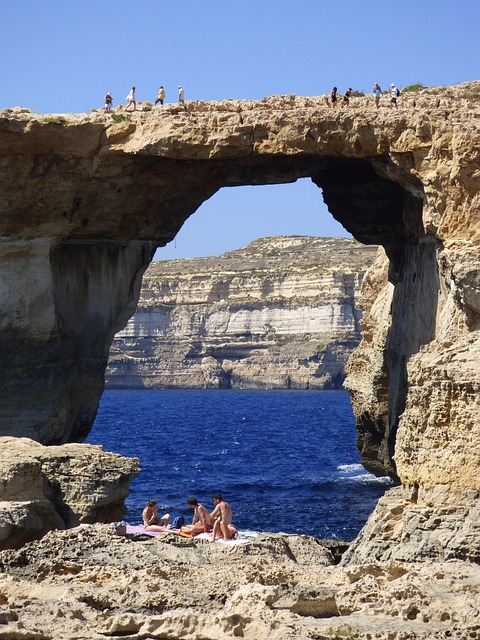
column 370, row 197
column 376, row 209
column 234, row 217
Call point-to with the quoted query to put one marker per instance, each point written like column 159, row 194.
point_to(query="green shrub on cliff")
column 413, row 87
column 57, row 120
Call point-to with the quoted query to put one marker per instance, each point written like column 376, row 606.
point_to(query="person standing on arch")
column 108, row 102
column 333, row 96
column 131, row 100
column 346, row 97
column 181, row 94
column 160, row 96
column 394, row 92
column 377, row 93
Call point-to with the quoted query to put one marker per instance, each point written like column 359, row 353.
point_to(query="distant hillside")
column 281, row 312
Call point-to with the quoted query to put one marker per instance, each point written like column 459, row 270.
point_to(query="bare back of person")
column 202, row 518
column 226, row 511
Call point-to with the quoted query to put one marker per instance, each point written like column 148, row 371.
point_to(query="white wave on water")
column 357, row 473
column 350, row 468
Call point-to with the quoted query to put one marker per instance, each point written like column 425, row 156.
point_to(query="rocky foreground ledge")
column 89, row 583
column 83, row 581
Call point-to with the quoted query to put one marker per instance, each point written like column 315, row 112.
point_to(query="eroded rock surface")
column 87, row 199
column 44, row 488
column 89, row 583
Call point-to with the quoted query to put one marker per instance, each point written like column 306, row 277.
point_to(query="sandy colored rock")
column 56, row 487
column 89, row 583
column 87, row 200
column 427, row 524
column 95, row 194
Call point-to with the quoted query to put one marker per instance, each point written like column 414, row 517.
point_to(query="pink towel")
column 139, row 528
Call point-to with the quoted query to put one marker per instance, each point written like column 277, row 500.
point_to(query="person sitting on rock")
column 151, row 521
column 222, row 516
column 232, row 532
column 201, row 522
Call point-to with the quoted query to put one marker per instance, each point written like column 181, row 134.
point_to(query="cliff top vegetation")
column 278, row 254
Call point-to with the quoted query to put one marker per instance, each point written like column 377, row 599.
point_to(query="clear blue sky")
column 62, row 56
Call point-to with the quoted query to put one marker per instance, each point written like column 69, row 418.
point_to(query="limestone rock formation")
column 86, row 200
column 89, row 583
column 435, row 524
column 282, row 312
column 56, row 487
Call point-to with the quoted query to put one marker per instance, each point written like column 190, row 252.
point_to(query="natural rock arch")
column 87, row 200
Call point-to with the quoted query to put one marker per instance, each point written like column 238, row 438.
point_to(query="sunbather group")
column 218, row 522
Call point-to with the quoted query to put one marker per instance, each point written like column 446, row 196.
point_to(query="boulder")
column 44, row 488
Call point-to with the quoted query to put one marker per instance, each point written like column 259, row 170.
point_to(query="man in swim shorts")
column 201, row 522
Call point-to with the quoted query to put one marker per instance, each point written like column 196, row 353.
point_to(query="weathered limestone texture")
column 438, row 524
column 86, row 200
column 57, row 487
column 282, row 312
column 89, row 583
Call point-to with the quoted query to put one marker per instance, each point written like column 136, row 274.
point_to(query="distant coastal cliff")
column 282, row 312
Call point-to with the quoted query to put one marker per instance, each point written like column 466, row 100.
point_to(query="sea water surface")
column 285, row 460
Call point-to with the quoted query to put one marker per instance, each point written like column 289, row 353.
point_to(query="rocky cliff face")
column 280, row 313
column 86, row 200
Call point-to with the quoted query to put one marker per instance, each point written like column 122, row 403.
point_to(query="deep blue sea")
column 285, row 460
